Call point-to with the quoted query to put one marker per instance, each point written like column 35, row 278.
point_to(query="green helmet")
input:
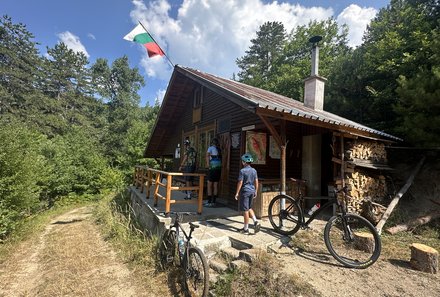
column 247, row 158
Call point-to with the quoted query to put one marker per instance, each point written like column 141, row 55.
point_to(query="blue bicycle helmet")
column 247, row 158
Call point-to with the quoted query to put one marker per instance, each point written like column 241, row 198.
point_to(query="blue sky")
column 204, row 34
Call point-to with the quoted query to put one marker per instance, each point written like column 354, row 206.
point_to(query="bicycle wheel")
column 168, row 249
column 197, row 275
column 285, row 220
column 352, row 240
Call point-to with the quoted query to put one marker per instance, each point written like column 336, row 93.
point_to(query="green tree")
column 399, row 42
column 281, row 64
column 265, row 49
column 77, row 164
column 118, row 86
column 295, row 64
column 19, row 67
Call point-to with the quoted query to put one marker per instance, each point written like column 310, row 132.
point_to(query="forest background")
column 71, row 131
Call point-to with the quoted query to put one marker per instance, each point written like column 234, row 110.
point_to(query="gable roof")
column 251, row 98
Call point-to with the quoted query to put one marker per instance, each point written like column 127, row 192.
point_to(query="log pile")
column 366, row 187
column 366, row 150
column 363, row 188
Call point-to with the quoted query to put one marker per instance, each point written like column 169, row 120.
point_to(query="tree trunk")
column 396, row 199
column 415, row 223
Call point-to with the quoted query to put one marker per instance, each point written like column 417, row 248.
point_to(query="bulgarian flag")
column 140, row 35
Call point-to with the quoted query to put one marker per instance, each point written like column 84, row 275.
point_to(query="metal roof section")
column 258, row 98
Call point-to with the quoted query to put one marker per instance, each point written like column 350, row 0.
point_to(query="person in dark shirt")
column 188, row 165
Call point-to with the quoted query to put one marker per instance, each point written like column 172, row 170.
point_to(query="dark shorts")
column 214, row 174
column 189, row 169
column 246, row 199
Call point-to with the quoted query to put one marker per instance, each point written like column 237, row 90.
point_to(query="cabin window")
column 197, row 105
column 197, row 97
column 200, row 141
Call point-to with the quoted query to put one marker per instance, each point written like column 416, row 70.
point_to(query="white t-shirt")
column 212, row 151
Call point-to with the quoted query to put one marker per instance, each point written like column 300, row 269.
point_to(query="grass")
column 136, row 248
column 261, row 278
column 397, row 246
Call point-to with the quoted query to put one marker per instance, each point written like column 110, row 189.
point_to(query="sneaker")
column 257, row 227
column 187, row 198
column 244, row 231
column 207, row 203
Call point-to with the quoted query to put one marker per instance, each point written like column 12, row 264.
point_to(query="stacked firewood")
column 366, row 150
column 362, row 188
column 366, row 187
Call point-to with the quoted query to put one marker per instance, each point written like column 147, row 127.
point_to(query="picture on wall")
column 274, row 149
column 256, row 144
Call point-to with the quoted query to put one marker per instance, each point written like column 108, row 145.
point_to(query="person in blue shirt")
column 247, row 187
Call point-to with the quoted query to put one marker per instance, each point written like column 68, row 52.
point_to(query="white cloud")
column 210, row 35
column 160, row 94
column 72, row 42
column 357, row 18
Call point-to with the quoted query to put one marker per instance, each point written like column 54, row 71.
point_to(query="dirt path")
column 70, row 258
column 386, row 278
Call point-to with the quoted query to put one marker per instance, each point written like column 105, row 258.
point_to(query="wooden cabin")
column 288, row 138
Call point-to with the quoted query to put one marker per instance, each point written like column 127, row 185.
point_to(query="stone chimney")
column 314, row 84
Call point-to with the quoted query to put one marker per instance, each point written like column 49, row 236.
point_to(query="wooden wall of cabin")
column 215, row 109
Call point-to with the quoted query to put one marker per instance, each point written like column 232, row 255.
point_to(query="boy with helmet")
column 188, row 164
column 247, row 190
column 214, row 163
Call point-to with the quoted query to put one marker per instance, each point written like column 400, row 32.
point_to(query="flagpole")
column 171, row 63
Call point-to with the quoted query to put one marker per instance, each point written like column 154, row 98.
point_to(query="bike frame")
column 305, row 223
column 188, row 237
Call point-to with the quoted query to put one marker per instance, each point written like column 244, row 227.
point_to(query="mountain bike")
column 176, row 249
column 351, row 239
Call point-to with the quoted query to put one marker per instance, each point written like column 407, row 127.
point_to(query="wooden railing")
column 145, row 177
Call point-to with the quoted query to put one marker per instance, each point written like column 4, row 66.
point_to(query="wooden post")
column 283, row 169
column 168, row 196
column 283, row 157
column 402, row 191
column 200, row 195
column 342, row 161
column 156, row 188
column 149, row 183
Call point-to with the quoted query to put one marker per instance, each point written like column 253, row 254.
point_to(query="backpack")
column 192, row 155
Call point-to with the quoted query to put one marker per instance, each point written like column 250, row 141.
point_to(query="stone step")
column 231, row 253
column 218, row 266
column 238, row 264
column 249, row 255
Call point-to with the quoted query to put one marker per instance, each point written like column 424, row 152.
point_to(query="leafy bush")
column 23, row 172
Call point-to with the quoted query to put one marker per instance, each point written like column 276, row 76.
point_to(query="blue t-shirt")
column 248, row 175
